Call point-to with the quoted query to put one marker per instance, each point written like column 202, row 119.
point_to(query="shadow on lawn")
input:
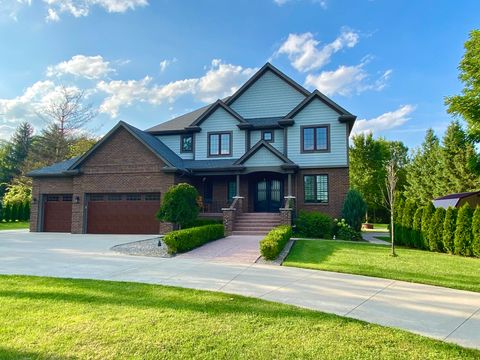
column 7, row 354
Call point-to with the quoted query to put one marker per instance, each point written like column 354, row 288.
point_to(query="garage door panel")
column 123, row 217
column 57, row 213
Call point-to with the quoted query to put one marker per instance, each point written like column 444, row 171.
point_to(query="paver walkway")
column 446, row 314
column 371, row 237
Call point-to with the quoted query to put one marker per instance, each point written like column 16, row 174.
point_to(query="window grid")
column 316, row 189
column 267, row 136
column 186, row 143
column 315, row 138
column 220, row 144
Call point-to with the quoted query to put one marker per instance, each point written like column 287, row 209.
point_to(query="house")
column 268, row 150
column 457, row 200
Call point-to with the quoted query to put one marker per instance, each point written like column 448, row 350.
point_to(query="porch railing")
column 213, row 207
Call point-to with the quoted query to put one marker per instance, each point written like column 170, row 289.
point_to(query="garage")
column 57, row 213
column 123, row 213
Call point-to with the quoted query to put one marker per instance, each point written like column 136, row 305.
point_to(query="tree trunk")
column 392, row 233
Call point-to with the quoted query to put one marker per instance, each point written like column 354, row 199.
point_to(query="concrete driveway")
column 445, row 314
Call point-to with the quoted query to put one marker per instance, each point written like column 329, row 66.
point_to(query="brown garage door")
column 123, row 213
column 57, row 213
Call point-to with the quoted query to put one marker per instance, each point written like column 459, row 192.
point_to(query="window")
column 220, row 144
column 53, row 198
column 152, row 197
column 134, row 197
column 114, row 197
column 96, row 197
column 315, row 188
column 67, row 197
column 315, row 138
column 186, row 143
column 267, row 136
column 231, row 191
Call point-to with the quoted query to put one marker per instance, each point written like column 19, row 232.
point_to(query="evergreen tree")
column 449, row 227
column 423, row 168
column 407, row 222
column 463, row 231
column 476, row 232
column 7, row 216
column 435, row 231
column 417, row 228
column 398, row 218
column 27, row 211
column 455, row 171
column 428, row 211
column 354, row 209
column 14, row 212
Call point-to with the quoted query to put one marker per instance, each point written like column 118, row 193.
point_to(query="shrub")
column 435, row 231
column 7, row 211
column 272, row 244
column 463, row 231
column 397, row 221
column 314, row 224
column 203, row 222
column 427, row 214
column 187, row 239
column 476, row 232
column 417, row 228
column 354, row 209
column 343, row 231
column 407, row 222
column 449, row 226
column 179, row 205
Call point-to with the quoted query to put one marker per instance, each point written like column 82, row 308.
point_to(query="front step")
column 249, row 232
column 255, row 223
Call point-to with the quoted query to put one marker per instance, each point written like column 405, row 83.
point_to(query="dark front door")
column 268, row 195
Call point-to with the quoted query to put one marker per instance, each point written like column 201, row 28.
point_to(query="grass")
column 374, row 260
column 47, row 318
column 14, row 225
column 378, row 228
column 384, row 238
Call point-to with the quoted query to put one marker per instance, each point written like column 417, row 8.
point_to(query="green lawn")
column 14, row 225
column 47, row 318
column 374, row 260
column 384, row 238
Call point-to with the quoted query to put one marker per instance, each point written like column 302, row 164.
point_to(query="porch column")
column 289, row 184
column 238, row 185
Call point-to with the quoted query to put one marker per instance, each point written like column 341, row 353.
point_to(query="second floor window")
column 186, row 143
column 220, row 144
column 315, row 138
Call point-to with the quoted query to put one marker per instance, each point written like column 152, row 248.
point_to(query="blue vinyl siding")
column 173, row 142
column 269, row 96
column 255, row 136
column 263, row 157
column 220, row 120
column 317, row 113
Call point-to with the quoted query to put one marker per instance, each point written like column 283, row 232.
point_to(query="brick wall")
column 338, row 185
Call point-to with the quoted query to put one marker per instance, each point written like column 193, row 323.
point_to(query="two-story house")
column 271, row 147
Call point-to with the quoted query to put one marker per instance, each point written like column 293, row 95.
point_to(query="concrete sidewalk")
column 445, row 314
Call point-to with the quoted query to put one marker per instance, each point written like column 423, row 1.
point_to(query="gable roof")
column 258, row 74
column 151, row 142
column 218, row 104
column 259, row 145
column 57, row 169
column 458, row 195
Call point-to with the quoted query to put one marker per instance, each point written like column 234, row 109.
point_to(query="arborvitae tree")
column 428, row 211
column 407, row 222
column 398, row 221
column 476, row 232
column 14, row 212
column 27, row 211
column 423, row 168
column 417, row 228
column 463, row 232
column 449, row 227
column 354, row 209
column 435, row 231
column 2, row 210
column 7, row 213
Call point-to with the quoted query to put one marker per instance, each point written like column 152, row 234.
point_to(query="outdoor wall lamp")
column 77, row 199
column 34, row 200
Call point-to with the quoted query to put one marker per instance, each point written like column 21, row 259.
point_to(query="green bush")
column 272, row 244
column 179, row 205
column 449, row 226
column 397, row 221
column 427, row 215
column 187, row 239
column 343, row 231
column 476, row 232
column 435, row 231
column 463, row 232
column 314, row 224
column 7, row 213
column 203, row 222
column 407, row 223
column 354, row 209
column 417, row 228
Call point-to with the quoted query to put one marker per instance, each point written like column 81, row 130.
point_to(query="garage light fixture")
column 34, row 200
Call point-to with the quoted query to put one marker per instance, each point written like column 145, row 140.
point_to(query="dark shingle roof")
column 268, row 121
column 208, row 164
column 181, row 122
column 57, row 169
column 458, row 195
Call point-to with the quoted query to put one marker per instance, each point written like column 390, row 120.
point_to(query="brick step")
column 261, row 221
column 254, row 218
column 260, row 214
column 249, row 232
column 248, row 227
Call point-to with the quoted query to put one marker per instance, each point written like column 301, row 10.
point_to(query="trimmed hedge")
column 463, row 232
column 435, row 231
column 449, row 230
column 272, row 244
column 187, row 239
column 314, row 224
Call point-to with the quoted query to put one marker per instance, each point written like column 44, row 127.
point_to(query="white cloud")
column 306, row 54
column 90, row 67
column 25, row 107
column 166, row 63
column 322, row 3
column 346, row 80
column 52, row 16
column 385, row 121
column 219, row 81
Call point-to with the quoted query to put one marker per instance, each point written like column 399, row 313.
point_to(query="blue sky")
column 145, row 61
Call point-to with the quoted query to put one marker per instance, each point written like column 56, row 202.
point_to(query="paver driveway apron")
column 447, row 314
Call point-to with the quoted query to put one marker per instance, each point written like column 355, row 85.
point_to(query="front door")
column 268, row 195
